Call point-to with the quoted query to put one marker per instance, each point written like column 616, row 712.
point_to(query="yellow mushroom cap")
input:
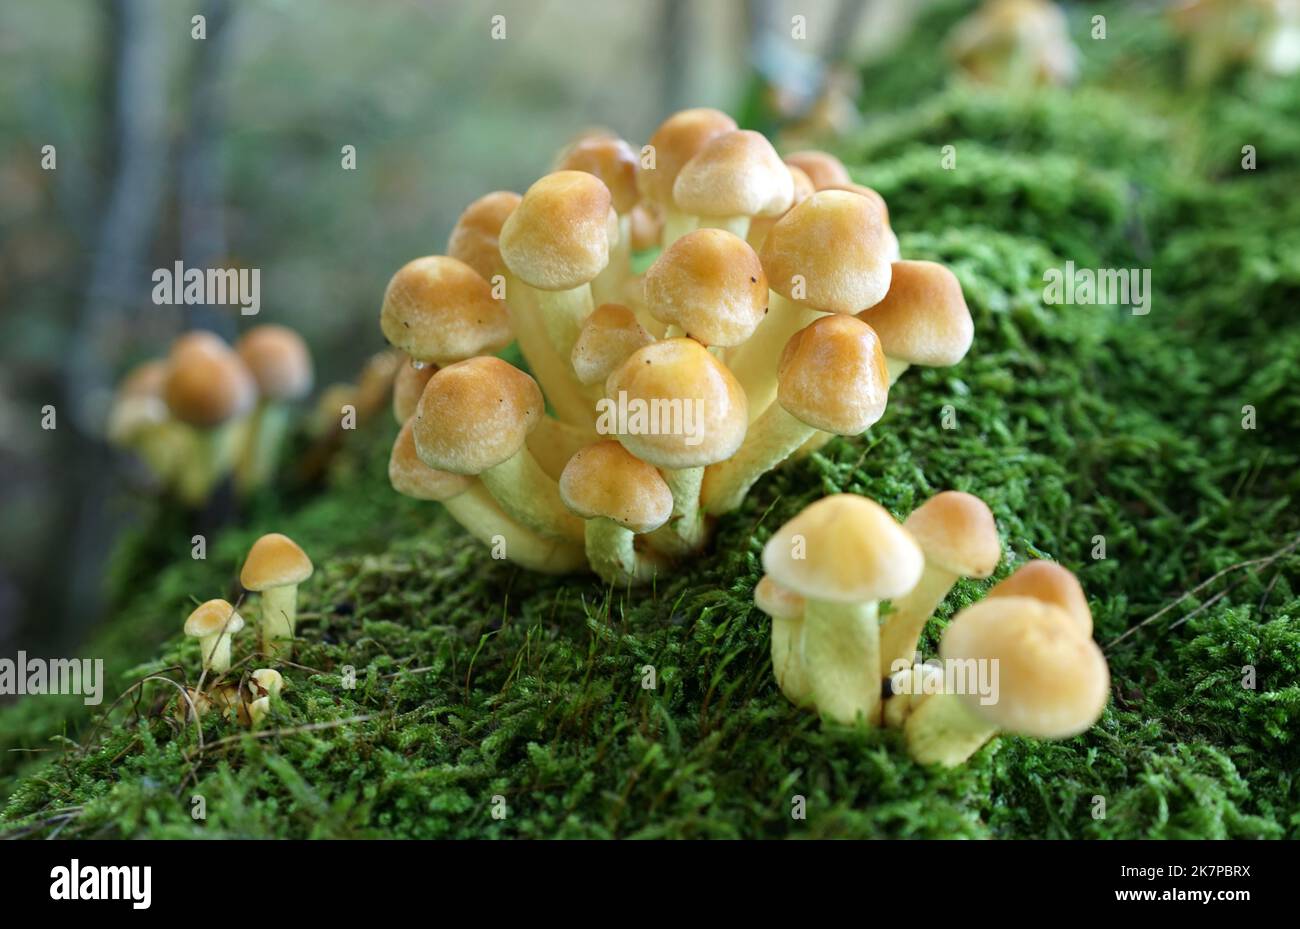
column 1052, row 682
column 610, row 159
column 832, row 376
column 269, row 680
column 923, row 319
column 207, row 383
column 408, row 384
column 559, row 236
column 957, row 533
column 609, row 335
column 474, row 239
column 212, row 617
column 411, row 477
column 737, row 174
column 864, row 191
column 605, row 480
column 275, row 560
column 711, row 284
column 834, row 242
column 675, row 142
column 279, row 361
column 777, row 601
column 822, row 168
column 475, row 414
column 695, row 385
column 1048, row 581
column 439, row 309
column 845, row 549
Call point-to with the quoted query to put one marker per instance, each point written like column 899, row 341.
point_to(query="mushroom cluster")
column 774, row 312
column 274, row 568
column 1021, row 661
column 209, row 410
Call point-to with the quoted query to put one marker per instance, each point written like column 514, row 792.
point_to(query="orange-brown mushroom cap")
column 777, row 601
column 474, row 239
column 681, row 380
column 605, row 480
column 832, row 376
column 279, row 361
column 207, row 383
column 559, row 236
column 923, row 319
column 711, row 284
column 411, row 477
column 408, row 384
column 439, row 309
column 1048, row 581
column 612, row 160
column 475, row 414
column 274, row 561
column 957, row 533
column 609, row 335
column 211, row 617
column 737, row 174
column 675, row 142
column 822, row 168
column 829, row 253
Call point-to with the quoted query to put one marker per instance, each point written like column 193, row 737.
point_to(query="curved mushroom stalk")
column 686, row 531
column 771, row 439
column 903, row 626
column 754, row 362
column 840, row 646
column 480, row 515
column 941, row 730
column 612, row 553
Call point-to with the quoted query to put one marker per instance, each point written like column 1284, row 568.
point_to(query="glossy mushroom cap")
column 846, row 549
column 275, row 560
column 411, row 477
column 957, row 533
column 559, row 236
column 682, row 372
column 212, row 617
column 737, row 174
column 408, row 384
column 605, row 480
column 923, row 319
column 832, row 376
column 675, row 142
column 475, row 414
column 610, row 334
column 473, row 240
column 1048, row 581
column 777, row 601
column 823, row 169
column 438, row 309
column 835, row 243
column 610, row 159
column 207, row 384
column 279, row 361
column 1052, row 682
column 711, row 284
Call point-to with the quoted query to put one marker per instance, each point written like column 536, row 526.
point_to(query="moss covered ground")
column 476, row 680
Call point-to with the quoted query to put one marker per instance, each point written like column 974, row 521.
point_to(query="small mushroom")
column 675, row 142
column 474, row 239
column 619, row 496
column 408, row 384
column 1052, row 682
column 281, row 366
column 439, row 310
column 1048, row 581
column 614, row 162
column 843, row 554
column 823, row 169
column 275, row 566
column 708, row 285
column 736, row 176
column 923, row 319
column 213, row 623
column 959, row 538
column 609, row 335
column 786, row 609
column 265, row 685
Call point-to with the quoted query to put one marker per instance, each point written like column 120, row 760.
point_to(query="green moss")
column 475, row 680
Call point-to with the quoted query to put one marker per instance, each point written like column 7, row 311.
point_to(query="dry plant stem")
column 279, row 619
column 483, row 518
column 942, row 731
column 902, row 627
column 771, row 439
column 608, row 285
column 841, row 657
column 754, row 363
column 532, row 497
column 264, row 436
column 553, row 372
column 676, row 225
column 736, row 225
column 787, row 660
column 611, row 550
column 554, row 442
column 684, row 533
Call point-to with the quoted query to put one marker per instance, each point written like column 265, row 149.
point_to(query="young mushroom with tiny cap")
column 609, row 335
column 213, row 623
column 264, row 685
column 439, row 310
column 843, row 554
column 274, row 568
column 1051, row 681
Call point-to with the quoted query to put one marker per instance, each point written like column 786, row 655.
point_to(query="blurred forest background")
column 226, row 152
